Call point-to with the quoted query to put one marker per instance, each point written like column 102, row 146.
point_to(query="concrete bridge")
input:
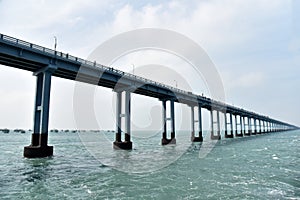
column 45, row 63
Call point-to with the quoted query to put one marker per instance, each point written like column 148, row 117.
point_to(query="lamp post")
column 55, row 43
column 176, row 83
column 132, row 69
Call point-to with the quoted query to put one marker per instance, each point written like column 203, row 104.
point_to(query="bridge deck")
column 27, row 56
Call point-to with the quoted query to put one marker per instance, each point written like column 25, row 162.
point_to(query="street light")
column 55, row 43
column 132, row 69
column 176, row 83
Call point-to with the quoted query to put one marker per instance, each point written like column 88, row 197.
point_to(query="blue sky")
column 254, row 44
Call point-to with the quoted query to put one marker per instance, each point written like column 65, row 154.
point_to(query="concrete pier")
column 249, row 125
column 165, row 140
column 259, row 125
column 237, row 133
column 118, row 143
column 255, row 127
column 227, row 133
column 213, row 136
column 195, row 138
column 39, row 141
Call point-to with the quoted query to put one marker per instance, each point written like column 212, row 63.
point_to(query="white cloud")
column 212, row 23
column 244, row 81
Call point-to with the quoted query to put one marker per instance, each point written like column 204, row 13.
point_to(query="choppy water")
column 257, row 167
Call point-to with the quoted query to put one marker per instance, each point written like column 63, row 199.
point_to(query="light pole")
column 55, row 43
column 176, row 83
column 132, row 69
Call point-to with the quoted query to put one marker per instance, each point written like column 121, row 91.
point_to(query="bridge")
column 45, row 63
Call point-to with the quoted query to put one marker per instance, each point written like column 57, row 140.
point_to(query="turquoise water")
column 256, row 167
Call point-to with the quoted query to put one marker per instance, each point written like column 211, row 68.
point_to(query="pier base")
column 38, row 151
column 215, row 137
column 197, row 139
column 127, row 145
column 239, row 135
column 228, row 136
column 165, row 141
column 38, row 147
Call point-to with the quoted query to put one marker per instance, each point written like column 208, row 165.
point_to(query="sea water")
column 85, row 166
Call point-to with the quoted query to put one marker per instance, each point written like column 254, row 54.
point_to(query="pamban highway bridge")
column 45, row 63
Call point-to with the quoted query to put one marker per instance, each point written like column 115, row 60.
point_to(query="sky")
column 254, row 45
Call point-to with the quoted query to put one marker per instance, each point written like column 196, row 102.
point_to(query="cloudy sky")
column 254, row 44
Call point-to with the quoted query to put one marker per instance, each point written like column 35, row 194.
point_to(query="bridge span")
column 45, row 63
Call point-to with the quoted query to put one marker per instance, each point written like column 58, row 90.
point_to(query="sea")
column 85, row 166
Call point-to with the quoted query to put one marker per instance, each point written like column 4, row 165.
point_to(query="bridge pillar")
column 249, row 125
column 236, row 125
column 271, row 126
column 165, row 140
column 193, row 121
column 172, row 122
column 266, row 127
column 213, row 136
column 118, row 143
column 279, row 127
column 245, row 125
column 225, row 121
column 200, row 137
column 231, row 126
column 237, row 133
column 39, row 142
column 246, row 133
column 242, row 125
column 226, row 124
column 255, row 127
column 260, row 129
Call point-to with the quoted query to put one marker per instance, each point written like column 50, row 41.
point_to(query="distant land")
column 5, row 130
